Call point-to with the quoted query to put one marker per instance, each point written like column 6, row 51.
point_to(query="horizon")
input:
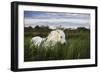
column 52, row 27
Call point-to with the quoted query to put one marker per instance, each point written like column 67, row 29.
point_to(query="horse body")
column 36, row 41
column 53, row 38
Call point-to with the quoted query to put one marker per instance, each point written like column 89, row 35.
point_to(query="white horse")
column 54, row 37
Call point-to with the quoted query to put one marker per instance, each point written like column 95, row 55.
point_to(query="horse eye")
column 61, row 36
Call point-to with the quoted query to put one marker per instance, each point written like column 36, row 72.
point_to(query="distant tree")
column 82, row 28
column 37, row 27
column 30, row 27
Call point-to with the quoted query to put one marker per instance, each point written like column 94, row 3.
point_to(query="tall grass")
column 76, row 47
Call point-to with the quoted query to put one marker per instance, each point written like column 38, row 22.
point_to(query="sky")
column 53, row 19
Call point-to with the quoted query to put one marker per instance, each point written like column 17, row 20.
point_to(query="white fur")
column 54, row 37
column 36, row 41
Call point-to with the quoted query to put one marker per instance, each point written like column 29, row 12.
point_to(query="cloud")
column 76, row 21
column 49, row 15
column 33, row 18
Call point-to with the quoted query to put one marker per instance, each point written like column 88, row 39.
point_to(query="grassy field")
column 77, row 46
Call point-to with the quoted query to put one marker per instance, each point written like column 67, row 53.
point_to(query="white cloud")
column 79, row 21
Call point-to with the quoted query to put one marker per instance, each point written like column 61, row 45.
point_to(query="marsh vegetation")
column 76, row 47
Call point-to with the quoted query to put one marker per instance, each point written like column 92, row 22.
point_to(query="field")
column 77, row 46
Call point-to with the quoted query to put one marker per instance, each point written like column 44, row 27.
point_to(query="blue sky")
column 67, row 20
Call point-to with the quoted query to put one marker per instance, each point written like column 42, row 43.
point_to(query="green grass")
column 77, row 47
